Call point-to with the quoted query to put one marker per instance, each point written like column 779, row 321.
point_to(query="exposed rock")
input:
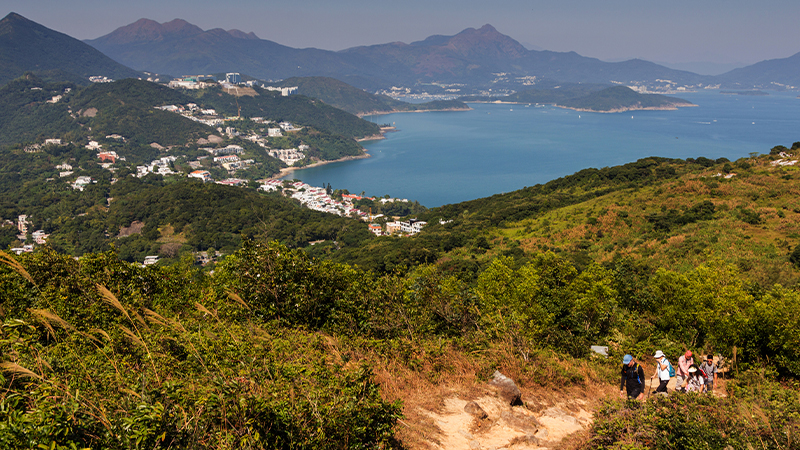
column 202, row 141
column 528, row 439
column 214, row 139
column 156, row 146
column 521, row 422
column 476, row 410
column 558, row 413
column 506, row 389
column 91, row 112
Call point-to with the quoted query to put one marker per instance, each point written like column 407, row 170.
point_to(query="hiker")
column 684, row 362
column 710, row 369
column 632, row 379
column 662, row 372
column 695, row 382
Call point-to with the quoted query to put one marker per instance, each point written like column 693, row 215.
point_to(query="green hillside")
column 34, row 110
column 124, row 107
column 294, row 108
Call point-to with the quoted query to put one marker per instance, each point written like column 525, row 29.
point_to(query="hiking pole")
column 648, row 391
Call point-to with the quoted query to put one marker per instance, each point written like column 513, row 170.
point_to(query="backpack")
column 671, row 369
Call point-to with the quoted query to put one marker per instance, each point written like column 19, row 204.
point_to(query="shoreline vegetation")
column 286, row 171
column 381, row 113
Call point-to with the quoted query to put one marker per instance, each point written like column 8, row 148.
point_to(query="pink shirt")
column 683, row 365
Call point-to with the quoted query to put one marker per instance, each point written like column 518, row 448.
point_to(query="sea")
column 438, row 158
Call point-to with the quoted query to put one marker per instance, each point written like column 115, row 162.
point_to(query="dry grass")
column 15, row 369
column 241, row 91
column 9, row 261
column 112, row 300
column 48, row 319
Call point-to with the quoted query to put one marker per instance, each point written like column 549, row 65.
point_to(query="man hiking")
column 684, row 362
column 632, row 379
column 710, row 369
column 662, row 371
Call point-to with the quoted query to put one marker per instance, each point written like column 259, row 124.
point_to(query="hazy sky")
column 742, row 31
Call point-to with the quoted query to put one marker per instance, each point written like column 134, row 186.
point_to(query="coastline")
column 669, row 107
column 381, row 113
column 288, row 170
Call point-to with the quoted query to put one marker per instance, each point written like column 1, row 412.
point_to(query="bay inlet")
column 438, row 158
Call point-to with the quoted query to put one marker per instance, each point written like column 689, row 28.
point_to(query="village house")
column 40, row 237
column 201, row 174
column 412, row 226
column 229, row 150
column 376, row 229
column 392, row 227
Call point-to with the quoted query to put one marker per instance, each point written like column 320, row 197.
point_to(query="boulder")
column 506, row 389
column 521, row 422
column 475, row 410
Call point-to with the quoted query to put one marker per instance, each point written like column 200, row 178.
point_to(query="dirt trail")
column 544, row 421
column 505, row 426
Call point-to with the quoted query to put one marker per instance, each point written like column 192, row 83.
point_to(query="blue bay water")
column 448, row 157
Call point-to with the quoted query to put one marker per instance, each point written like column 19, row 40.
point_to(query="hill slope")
column 27, row 46
column 782, row 73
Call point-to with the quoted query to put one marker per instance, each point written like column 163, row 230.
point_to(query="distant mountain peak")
column 486, row 41
column 239, row 34
column 147, row 30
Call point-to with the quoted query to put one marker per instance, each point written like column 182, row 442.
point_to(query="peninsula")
column 593, row 98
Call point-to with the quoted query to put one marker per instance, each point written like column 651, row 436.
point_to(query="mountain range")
column 469, row 62
column 477, row 58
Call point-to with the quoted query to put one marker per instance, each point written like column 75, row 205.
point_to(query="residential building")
column 22, row 224
column 376, row 229
column 201, row 174
column 392, row 227
column 40, row 237
column 108, row 156
column 412, row 226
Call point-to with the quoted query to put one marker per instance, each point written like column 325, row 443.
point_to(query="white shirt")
column 663, row 374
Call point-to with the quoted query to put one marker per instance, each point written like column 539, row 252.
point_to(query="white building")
column 412, row 226
column 40, row 237
column 201, row 174
column 233, row 78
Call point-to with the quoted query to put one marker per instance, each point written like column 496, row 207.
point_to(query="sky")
column 678, row 31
